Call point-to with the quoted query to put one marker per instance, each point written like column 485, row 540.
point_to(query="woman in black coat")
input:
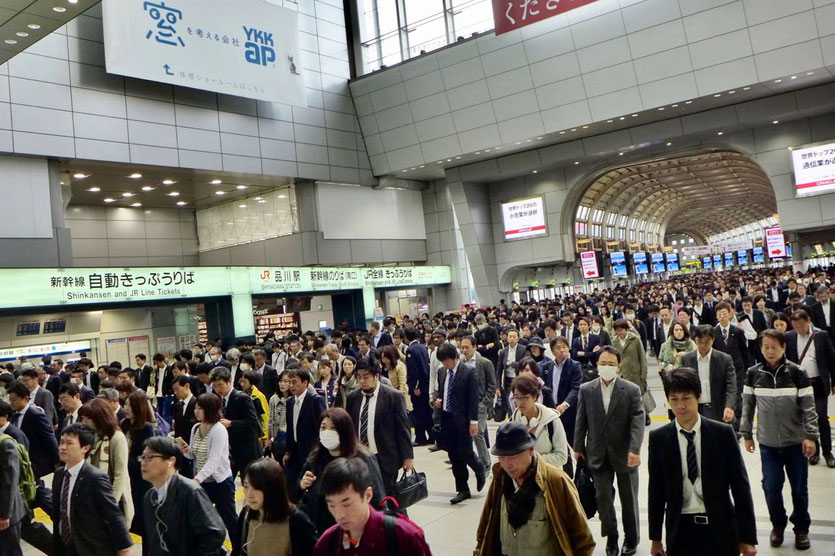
column 137, row 428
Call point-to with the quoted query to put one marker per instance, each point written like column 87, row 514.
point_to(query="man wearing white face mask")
column 608, row 435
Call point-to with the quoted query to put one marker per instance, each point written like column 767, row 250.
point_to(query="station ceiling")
column 698, row 194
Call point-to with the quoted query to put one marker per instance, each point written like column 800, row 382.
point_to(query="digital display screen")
column 758, row 257
column 54, row 326
column 789, row 250
column 729, row 259
column 524, row 218
column 619, row 268
column 672, row 262
column 814, row 174
column 717, row 262
column 639, row 262
column 706, row 263
column 742, row 258
column 658, row 263
column 28, row 329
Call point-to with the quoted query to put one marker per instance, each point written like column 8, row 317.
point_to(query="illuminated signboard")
column 717, row 262
column 729, row 259
column 524, row 218
column 588, row 261
column 814, row 170
column 639, row 263
column 672, row 262
column 775, row 243
column 757, row 255
column 619, row 267
column 658, row 263
column 742, row 258
column 707, row 263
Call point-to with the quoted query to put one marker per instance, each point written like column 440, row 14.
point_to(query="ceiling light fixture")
column 623, row 117
column 778, row 80
column 721, row 133
column 688, row 102
column 181, row 203
column 22, row 34
column 10, row 41
column 94, row 189
column 216, row 182
column 576, row 162
column 776, row 122
column 167, row 182
column 262, row 201
column 536, row 171
column 746, row 88
column 79, row 176
column 241, row 206
column 259, row 198
column 634, row 115
column 136, row 204
column 59, row 9
column 174, row 194
column 793, row 77
column 34, row 26
column 675, row 105
column 109, row 200
column 220, row 192
column 127, row 194
column 282, row 196
column 135, row 176
column 240, row 187
column 669, row 144
column 147, row 188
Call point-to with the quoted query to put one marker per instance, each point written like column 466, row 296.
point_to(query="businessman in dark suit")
column 86, row 393
column 694, row 466
column 39, row 395
column 303, row 411
column 716, row 371
column 32, row 421
column 508, row 359
column 458, row 398
column 564, row 381
column 91, row 378
column 12, row 507
column 183, row 415
column 702, row 314
column 162, row 375
column 569, row 329
column 730, row 339
column 6, row 426
column 143, row 371
column 382, row 423
column 417, row 381
column 608, row 436
column 267, row 375
column 585, row 346
column 823, row 311
column 379, row 339
column 86, row 517
column 70, row 399
column 366, row 352
column 818, row 360
column 240, row 419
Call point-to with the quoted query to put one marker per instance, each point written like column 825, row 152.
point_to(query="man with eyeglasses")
column 179, row 517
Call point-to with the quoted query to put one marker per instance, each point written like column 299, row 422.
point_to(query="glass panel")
column 610, row 220
column 471, row 16
column 425, row 25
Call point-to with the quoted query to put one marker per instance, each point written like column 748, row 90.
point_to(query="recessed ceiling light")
column 661, row 109
column 585, row 127
column 174, row 194
column 634, row 115
column 259, row 198
column 422, row 166
column 73, row 1
column 10, row 41
column 94, row 189
column 675, row 105
column 778, row 80
column 609, row 121
column 449, row 160
column 731, row 92
column 620, row 154
column 477, row 152
column 518, row 142
column 22, row 34
column 59, row 9
column 147, row 188
column 167, row 182
column 240, row 187
column 181, row 203
column 810, row 73
column 622, row 117
column 34, row 26
column 539, row 138
column 127, row 194
column 528, row 140
column 282, row 196
column 220, row 192
column 135, row 176
column 576, row 162
column 721, row 133
column 216, row 182
column 793, row 77
column 717, row 95
column 746, row 88
column 456, row 158
column 136, row 204
column 262, row 201
column 487, row 150
column 562, row 133
column 776, row 122
column 669, row 144
column 79, row 176
column 688, row 102
column 574, row 129
column 536, row 171
column 109, row 200
column 241, row 206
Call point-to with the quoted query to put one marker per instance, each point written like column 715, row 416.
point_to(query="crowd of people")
column 321, row 429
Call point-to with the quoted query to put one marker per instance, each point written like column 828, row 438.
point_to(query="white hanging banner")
column 775, row 243
column 245, row 48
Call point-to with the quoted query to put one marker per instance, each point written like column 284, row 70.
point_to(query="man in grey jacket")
column 608, row 434
column 12, row 506
column 486, row 375
column 787, row 428
column 716, row 373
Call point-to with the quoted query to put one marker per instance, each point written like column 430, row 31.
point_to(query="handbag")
column 584, row 482
column 499, row 409
column 649, row 402
column 410, row 489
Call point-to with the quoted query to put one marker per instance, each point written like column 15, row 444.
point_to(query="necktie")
column 364, row 418
column 154, row 497
column 223, row 404
column 450, row 390
column 66, row 537
column 725, row 335
column 692, row 465
column 585, row 342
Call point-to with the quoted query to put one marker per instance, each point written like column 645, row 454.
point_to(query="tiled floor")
column 450, row 530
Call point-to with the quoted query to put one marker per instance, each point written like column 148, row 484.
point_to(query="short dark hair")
column 5, row 409
column 470, row 338
column 774, row 335
column 249, row 359
column 411, row 334
column 800, row 314
column 363, row 365
column 703, row 331
column 526, row 385
column 780, row 316
column 343, row 473
column 69, row 389
column 158, row 357
column 31, row 373
column 86, row 362
column 99, row 411
column 621, row 323
column 682, row 379
column 267, row 476
column 559, row 339
column 610, row 349
column 528, row 364
column 724, row 305
column 164, row 445
column 221, row 373
column 252, row 377
column 447, row 351
column 18, row 389
column 86, row 435
column 141, row 356
column 299, row 373
column 115, row 365
column 204, row 368
column 181, row 380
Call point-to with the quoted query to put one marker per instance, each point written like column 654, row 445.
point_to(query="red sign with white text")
column 775, row 243
column 513, row 14
column 588, row 260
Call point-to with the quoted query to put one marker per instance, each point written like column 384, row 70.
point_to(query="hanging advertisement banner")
column 513, row 14
column 244, row 48
column 814, row 170
column 588, row 261
column 524, row 218
column 775, row 243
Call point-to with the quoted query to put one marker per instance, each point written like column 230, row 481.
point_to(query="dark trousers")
column 422, row 416
column 774, row 461
column 822, row 409
column 695, row 538
column 10, row 541
column 459, row 446
column 222, row 495
column 604, row 481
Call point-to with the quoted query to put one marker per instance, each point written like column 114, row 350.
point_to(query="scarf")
column 683, row 345
column 521, row 503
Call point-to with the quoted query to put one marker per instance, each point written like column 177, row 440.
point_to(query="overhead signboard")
column 775, row 243
column 588, row 260
column 697, row 250
column 742, row 258
column 707, row 263
column 82, row 286
column 672, row 262
column 246, row 48
column 619, row 267
column 513, row 14
column 814, row 170
column 524, row 218
column 658, row 265
column 717, row 262
column 757, row 256
column 639, row 263
column 729, row 259
column 8, row 354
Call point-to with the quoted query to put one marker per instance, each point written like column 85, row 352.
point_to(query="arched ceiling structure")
column 698, row 194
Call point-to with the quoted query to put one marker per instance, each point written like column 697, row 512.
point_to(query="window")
column 610, row 232
column 611, row 219
column 621, row 234
column 580, row 228
column 583, row 212
column 643, row 225
column 598, row 216
column 623, row 220
column 596, row 230
column 674, row 243
column 633, row 222
column 631, row 235
column 692, row 240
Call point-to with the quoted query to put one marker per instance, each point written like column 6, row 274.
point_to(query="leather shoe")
column 628, row 551
column 776, row 538
column 481, row 480
column 612, row 548
column 814, row 460
column 434, row 448
column 460, row 497
column 830, row 460
column 801, row 541
column 423, row 443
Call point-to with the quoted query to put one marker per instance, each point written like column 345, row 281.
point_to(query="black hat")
column 536, row 341
column 512, row 438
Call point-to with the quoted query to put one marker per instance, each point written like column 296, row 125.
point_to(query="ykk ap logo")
column 165, row 18
column 260, row 48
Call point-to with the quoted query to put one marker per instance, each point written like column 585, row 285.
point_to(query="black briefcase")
column 410, row 489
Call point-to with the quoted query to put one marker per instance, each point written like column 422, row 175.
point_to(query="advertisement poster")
column 658, row 263
column 775, row 243
column 513, row 14
column 619, row 268
column 588, row 260
column 167, row 344
column 814, row 170
column 524, row 218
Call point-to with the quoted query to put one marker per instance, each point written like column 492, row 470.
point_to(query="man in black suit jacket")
column 458, row 398
column 690, row 480
column 183, row 416
column 303, row 411
column 818, row 360
column 39, row 395
column 721, row 401
column 564, row 380
column 86, row 393
column 91, row 378
column 487, row 338
column 267, row 375
column 32, row 421
column 70, row 399
column 379, row 340
column 585, row 346
column 509, row 357
column 823, row 311
column 382, row 422
column 6, row 426
column 366, row 352
column 86, row 517
column 240, row 419
column 730, row 339
column 143, row 371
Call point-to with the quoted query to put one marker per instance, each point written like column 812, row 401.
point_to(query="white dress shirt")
column 297, row 408
column 555, row 376
column 511, row 354
column 372, row 412
column 810, row 360
column 160, row 379
column 825, row 307
column 692, row 501
column 74, row 471
column 704, row 375
column 606, row 391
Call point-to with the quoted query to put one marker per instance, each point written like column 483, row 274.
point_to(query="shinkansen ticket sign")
column 246, row 48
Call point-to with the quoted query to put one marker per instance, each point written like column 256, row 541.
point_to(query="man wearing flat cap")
column 525, row 493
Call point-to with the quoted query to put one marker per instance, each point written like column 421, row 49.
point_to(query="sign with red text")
column 524, row 218
column 814, row 170
column 775, row 243
column 513, row 14
column 588, row 260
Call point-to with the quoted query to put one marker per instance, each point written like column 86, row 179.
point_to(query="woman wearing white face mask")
column 337, row 438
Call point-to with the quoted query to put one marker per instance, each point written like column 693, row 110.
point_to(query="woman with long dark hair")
column 337, row 438
column 269, row 524
column 137, row 428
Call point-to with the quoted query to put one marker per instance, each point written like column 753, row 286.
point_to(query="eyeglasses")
column 149, row 457
column 521, row 398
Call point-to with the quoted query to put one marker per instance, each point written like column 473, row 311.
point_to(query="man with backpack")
column 360, row 529
column 12, row 506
